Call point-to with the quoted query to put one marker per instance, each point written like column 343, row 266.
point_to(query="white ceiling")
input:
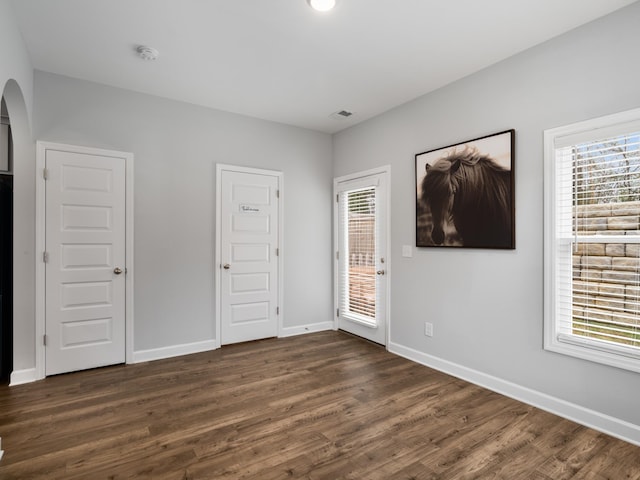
column 279, row 60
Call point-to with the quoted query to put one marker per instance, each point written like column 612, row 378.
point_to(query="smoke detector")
column 341, row 115
column 147, row 53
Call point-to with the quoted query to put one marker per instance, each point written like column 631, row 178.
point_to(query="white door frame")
column 386, row 171
column 42, row 147
column 220, row 167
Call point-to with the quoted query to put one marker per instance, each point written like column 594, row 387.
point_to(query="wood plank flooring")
column 318, row 406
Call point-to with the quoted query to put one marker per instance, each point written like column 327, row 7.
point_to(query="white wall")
column 14, row 59
column 176, row 147
column 16, row 83
column 487, row 306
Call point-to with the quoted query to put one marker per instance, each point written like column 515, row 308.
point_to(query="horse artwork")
column 464, row 195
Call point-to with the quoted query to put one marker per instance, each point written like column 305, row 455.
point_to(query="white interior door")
column 362, row 264
column 85, row 268
column 248, row 256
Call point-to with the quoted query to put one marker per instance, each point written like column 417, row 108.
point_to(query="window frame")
column 554, row 340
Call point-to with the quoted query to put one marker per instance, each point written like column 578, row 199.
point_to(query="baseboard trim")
column 615, row 427
column 173, row 351
column 302, row 329
column 18, row 377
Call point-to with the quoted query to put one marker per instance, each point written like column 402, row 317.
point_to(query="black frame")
column 9, row 150
column 6, row 277
column 498, row 149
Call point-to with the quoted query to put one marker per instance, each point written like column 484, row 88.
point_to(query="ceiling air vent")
column 342, row 114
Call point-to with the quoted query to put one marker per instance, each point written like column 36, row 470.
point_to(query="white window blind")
column 593, row 241
column 358, row 248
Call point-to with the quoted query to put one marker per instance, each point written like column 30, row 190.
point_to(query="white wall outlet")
column 1, row 451
column 407, row 251
column 428, row 329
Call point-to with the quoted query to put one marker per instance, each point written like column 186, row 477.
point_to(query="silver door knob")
column 226, row 266
column 380, row 272
column 117, row 270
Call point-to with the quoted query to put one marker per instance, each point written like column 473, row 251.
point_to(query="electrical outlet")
column 428, row 329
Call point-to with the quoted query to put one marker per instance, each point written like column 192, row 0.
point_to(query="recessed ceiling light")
column 147, row 53
column 322, row 5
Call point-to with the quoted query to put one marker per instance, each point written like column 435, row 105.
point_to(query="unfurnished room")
column 320, row 239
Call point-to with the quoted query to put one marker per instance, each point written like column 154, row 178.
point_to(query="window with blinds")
column 358, row 265
column 592, row 246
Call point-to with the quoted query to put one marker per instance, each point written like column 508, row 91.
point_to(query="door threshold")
column 363, row 338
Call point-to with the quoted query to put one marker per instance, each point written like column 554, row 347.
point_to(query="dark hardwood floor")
column 319, row 406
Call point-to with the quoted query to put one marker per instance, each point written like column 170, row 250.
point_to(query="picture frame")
column 465, row 194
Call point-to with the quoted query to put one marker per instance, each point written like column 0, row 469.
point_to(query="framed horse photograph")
column 465, row 194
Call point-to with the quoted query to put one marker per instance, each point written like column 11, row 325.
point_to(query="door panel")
column 85, row 218
column 85, row 256
column 85, row 242
column 249, row 243
column 250, row 282
column 250, row 253
column 362, row 262
column 86, row 332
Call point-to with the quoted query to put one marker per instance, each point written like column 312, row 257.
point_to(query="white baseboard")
column 302, row 329
column 615, row 427
column 173, row 351
column 18, row 377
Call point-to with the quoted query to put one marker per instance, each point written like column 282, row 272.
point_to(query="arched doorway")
column 6, row 244
column 20, row 343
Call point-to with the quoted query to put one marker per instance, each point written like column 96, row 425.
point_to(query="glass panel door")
column 361, row 262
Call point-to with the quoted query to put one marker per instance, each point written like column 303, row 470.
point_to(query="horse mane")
column 481, row 192
column 478, row 179
column 432, row 185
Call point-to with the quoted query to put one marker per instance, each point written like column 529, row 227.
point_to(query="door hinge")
column 337, row 198
column 45, row 257
column 44, row 340
column 45, row 173
column 277, row 310
column 337, row 255
column 337, row 312
column 277, row 193
column 277, row 252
